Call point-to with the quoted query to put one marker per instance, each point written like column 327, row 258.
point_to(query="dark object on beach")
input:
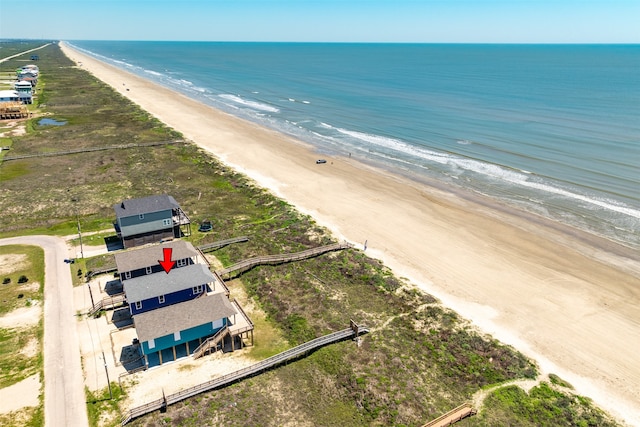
column 205, row 226
column 320, row 161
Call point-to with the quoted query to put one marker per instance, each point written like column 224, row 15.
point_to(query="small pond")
column 50, row 122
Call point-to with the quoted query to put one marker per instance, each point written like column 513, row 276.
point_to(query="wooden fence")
column 88, row 149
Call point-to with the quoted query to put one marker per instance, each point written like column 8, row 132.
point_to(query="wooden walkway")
column 247, row 372
column 220, row 243
column 453, row 416
column 249, row 263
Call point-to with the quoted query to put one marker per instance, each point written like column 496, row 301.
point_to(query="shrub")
column 23, row 279
column 6, row 280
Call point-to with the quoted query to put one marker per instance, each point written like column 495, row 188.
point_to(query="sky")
column 414, row 21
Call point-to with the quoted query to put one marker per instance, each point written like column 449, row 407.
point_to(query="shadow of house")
column 113, row 243
column 131, row 357
column 121, row 318
column 113, row 287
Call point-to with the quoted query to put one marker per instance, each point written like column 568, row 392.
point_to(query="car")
column 205, row 226
column 320, row 161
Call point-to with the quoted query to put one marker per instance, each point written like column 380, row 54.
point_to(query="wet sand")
column 567, row 299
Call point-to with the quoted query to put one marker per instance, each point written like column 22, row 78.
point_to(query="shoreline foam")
column 568, row 302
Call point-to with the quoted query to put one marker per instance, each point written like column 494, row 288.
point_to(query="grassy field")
column 420, row 359
column 21, row 346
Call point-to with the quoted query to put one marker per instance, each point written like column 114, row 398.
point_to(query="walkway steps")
column 211, row 342
column 453, row 416
column 249, row 263
column 107, row 302
column 247, row 372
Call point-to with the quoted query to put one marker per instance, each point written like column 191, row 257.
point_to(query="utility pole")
column 107, row 372
column 79, row 234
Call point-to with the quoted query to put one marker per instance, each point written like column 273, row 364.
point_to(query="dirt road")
column 64, row 399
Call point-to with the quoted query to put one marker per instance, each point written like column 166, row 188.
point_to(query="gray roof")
column 179, row 317
column 156, row 284
column 144, row 205
column 137, row 258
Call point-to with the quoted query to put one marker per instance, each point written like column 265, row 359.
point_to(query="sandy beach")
column 566, row 299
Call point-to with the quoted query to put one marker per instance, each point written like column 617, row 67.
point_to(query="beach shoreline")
column 564, row 298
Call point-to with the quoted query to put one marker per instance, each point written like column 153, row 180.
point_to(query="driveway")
column 64, row 398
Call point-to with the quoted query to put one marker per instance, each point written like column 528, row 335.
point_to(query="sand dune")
column 566, row 299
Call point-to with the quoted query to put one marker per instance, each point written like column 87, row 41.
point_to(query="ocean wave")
column 252, row 104
column 460, row 165
column 153, row 73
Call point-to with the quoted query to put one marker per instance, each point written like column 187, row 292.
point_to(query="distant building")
column 25, row 92
column 149, row 220
column 9, row 96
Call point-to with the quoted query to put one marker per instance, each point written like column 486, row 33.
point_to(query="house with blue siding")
column 154, row 291
column 149, row 220
column 175, row 331
column 142, row 261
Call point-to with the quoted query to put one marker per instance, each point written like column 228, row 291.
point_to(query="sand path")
column 567, row 299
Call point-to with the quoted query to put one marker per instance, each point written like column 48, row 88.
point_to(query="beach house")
column 25, row 91
column 142, row 261
column 169, row 333
column 150, row 219
column 9, row 96
column 153, row 291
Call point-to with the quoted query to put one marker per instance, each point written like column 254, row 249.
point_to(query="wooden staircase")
column 211, row 342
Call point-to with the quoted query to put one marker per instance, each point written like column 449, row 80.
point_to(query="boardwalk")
column 248, row 264
column 453, row 416
column 249, row 371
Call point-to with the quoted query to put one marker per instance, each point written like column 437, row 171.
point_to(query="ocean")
column 550, row 129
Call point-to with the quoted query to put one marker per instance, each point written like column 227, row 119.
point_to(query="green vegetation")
column 20, row 354
column 20, row 262
column 102, row 405
column 420, row 359
column 27, row 417
column 543, row 406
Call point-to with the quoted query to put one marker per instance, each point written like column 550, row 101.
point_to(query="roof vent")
column 122, row 205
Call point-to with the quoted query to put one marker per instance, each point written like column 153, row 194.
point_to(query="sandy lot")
column 25, row 393
column 567, row 299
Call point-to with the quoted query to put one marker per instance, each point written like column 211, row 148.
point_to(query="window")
column 127, row 275
column 161, row 299
column 149, row 270
column 176, row 336
column 198, row 289
column 152, row 343
column 165, row 222
column 141, row 216
column 138, row 305
column 182, row 262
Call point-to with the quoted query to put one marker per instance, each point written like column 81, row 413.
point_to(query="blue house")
column 149, row 220
column 142, row 261
column 175, row 331
column 154, row 291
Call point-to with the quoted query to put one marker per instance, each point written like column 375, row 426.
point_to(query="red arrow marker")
column 166, row 263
